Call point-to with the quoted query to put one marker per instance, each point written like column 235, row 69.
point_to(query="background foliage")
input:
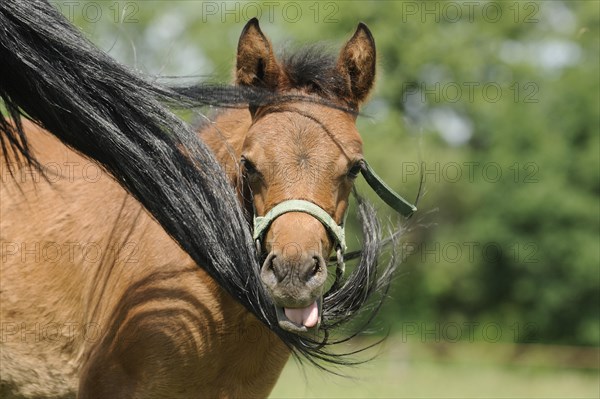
column 496, row 103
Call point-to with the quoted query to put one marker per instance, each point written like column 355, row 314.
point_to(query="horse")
column 139, row 318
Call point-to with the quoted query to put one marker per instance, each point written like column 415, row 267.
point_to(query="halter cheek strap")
column 262, row 223
column 389, row 196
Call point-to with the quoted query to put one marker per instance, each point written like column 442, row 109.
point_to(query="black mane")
column 313, row 69
column 52, row 75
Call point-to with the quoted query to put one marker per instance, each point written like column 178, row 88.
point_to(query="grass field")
column 454, row 370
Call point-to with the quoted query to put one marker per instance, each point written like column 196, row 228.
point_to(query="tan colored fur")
column 96, row 298
column 145, row 314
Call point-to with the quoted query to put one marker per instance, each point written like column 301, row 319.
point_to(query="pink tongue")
column 308, row 316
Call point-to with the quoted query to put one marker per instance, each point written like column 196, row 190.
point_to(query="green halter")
column 262, row 223
column 389, row 196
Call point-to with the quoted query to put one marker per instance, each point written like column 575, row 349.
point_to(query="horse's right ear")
column 256, row 63
column 356, row 64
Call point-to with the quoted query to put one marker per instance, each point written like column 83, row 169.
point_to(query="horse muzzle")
column 296, row 287
column 296, row 282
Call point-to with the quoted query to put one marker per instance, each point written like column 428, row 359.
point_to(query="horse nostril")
column 276, row 269
column 315, row 271
column 270, row 262
column 269, row 271
column 316, row 267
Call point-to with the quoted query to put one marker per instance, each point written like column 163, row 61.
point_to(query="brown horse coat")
column 98, row 299
column 92, row 281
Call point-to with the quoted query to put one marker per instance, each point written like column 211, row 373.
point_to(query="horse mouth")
column 301, row 320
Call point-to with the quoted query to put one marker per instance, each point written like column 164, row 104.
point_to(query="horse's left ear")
column 356, row 64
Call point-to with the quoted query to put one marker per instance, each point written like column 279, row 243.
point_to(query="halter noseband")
column 262, row 223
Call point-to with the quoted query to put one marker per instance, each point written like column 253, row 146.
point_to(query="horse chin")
column 292, row 326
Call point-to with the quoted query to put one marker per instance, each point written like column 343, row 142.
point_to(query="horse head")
column 299, row 160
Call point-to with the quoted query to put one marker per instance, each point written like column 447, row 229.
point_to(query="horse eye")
column 248, row 166
column 355, row 170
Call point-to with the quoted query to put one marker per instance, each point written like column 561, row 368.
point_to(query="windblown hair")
column 52, row 75
column 313, row 69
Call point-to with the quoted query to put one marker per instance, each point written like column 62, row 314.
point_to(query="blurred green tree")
column 496, row 103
